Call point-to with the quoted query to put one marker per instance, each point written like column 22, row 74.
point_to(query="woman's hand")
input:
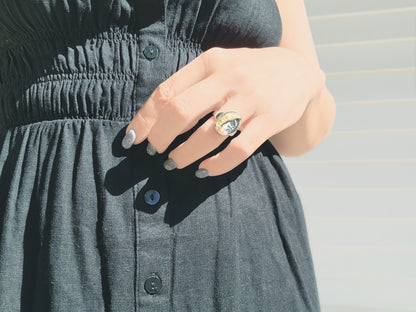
column 270, row 88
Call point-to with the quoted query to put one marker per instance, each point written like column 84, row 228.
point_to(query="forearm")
column 310, row 129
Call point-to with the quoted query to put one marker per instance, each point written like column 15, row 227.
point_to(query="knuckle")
column 178, row 107
column 213, row 52
column 165, row 91
column 240, row 75
column 214, row 56
column 227, row 98
column 146, row 123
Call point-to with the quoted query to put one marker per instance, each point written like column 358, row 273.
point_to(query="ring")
column 227, row 123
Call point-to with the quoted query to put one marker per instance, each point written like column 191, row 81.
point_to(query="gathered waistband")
column 97, row 95
column 105, row 77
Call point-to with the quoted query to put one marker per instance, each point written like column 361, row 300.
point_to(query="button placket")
column 154, row 237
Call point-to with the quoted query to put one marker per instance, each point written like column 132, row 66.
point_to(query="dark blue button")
column 153, row 284
column 151, row 197
column 151, row 52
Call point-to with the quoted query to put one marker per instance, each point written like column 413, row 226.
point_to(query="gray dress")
column 86, row 225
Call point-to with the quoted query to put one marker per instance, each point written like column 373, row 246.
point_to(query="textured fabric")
column 76, row 231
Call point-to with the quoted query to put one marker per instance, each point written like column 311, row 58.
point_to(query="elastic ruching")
column 46, row 80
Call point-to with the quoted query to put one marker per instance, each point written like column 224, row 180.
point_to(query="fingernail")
column 201, row 173
column 150, row 149
column 169, row 164
column 128, row 139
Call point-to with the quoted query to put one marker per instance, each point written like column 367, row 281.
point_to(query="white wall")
column 358, row 186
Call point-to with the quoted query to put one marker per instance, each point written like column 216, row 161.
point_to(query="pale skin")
column 280, row 93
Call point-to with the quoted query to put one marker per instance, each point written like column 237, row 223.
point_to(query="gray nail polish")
column 201, row 173
column 169, row 164
column 150, row 149
column 128, row 139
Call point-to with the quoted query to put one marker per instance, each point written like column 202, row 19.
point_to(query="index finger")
column 146, row 117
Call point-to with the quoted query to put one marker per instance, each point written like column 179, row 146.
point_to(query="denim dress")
column 86, row 225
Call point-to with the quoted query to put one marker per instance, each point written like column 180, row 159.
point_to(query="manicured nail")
column 128, row 139
column 169, row 164
column 150, row 149
column 201, row 173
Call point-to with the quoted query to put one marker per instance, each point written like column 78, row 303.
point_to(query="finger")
column 239, row 148
column 148, row 114
column 206, row 138
column 186, row 109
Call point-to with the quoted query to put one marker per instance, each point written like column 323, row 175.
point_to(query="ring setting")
column 227, row 123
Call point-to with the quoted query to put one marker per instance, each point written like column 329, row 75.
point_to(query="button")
column 151, row 197
column 151, row 52
column 153, row 284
